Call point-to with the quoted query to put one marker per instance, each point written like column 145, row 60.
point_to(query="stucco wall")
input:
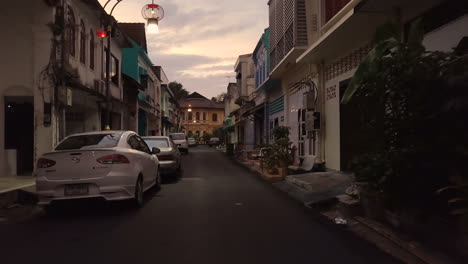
column 25, row 51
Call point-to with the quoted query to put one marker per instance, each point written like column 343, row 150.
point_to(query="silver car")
column 114, row 165
column 181, row 141
column 169, row 157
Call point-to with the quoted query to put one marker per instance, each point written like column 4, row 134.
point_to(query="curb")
column 365, row 230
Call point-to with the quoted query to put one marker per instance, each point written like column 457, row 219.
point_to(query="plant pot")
column 271, row 171
column 282, row 164
column 372, row 205
column 283, row 172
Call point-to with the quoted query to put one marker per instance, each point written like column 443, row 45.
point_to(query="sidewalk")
column 11, row 185
column 324, row 192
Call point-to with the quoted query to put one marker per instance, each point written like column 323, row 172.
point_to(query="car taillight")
column 45, row 163
column 113, row 159
column 165, row 157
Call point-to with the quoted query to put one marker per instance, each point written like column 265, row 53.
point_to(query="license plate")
column 76, row 189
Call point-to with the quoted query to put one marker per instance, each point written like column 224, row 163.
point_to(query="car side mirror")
column 155, row 151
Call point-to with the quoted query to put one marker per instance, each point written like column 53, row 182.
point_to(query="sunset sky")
column 200, row 39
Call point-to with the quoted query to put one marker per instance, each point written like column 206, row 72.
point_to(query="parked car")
column 191, row 142
column 169, row 157
column 214, row 141
column 181, row 141
column 114, row 165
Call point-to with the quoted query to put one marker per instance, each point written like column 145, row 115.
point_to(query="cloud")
column 200, row 40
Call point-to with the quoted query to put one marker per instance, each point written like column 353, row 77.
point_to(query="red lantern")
column 101, row 33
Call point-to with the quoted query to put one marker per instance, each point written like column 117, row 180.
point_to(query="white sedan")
column 114, row 165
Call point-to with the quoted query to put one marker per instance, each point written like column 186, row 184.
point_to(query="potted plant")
column 282, row 149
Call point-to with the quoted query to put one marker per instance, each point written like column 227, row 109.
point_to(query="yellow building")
column 199, row 115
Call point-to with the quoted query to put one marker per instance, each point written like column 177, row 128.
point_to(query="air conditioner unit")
column 309, row 100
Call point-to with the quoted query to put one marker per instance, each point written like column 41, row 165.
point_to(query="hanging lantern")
column 101, row 33
column 153, row 13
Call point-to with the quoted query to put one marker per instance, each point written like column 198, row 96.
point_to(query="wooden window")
column 82, row 42
column 215, row 117
column 71, row 32
column 92, row 59
column 204, row 116
column 197, row 116
column 190, row 116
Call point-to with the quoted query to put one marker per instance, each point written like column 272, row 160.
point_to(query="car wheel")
column 139, row 193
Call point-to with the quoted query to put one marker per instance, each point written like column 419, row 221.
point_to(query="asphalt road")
column 217, row 213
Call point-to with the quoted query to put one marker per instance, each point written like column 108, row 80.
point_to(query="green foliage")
column 282, row 150
column 207, row 136
column 413, row 106
column 281, row 132
column 178, row 90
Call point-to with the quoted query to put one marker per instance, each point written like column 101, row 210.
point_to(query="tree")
column 219, row 98
column 178, row 90
column 411, row 104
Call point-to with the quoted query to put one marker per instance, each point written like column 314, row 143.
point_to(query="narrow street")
column 217, row 213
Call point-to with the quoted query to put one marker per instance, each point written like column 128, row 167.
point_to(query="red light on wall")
column 101, row 33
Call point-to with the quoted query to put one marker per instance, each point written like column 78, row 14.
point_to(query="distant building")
column 142, row 86
column 199, row 115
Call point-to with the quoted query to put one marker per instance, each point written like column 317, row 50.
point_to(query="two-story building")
column 168, row 104
column 53, row 84
column 340, row 35
column 245, row 76
column 199, row 115
column 142, row 86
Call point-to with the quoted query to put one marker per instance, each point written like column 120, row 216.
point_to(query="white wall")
column 447, row 37
column 24, row 49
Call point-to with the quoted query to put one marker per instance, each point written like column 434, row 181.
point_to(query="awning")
column 253, row 110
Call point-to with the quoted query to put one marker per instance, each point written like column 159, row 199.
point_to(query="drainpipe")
column 321, row 94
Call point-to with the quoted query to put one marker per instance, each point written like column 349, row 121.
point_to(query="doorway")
column 353, row 141
column 19, row 131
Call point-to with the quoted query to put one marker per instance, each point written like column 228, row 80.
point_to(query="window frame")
column 92, row 51
column 71, row 32
column 82, row 42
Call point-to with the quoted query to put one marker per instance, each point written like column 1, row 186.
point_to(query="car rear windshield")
column 89, row 141
column 157, row 142
column 178, row 136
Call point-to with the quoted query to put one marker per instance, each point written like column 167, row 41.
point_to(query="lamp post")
column 110, row 24
column 153, row 13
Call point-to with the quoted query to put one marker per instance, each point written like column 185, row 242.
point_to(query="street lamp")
column 110, row 24
column 153, row 13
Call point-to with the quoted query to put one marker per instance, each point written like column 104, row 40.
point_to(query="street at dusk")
column 222, row 131
column 218, row 212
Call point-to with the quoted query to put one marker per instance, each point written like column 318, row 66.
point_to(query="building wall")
column 447, row 37
column 204, row 126
column 25, row 52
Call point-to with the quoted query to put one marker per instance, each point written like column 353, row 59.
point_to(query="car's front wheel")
column 138, row 200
